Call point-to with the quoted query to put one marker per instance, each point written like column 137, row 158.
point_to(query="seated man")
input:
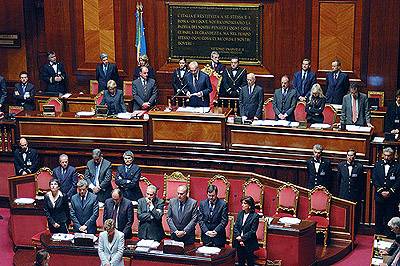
column 98, row 176
column 67, row 176
column 84, row 209
column 24, row 92
column 394, row 250
column 318, row 169
column 182, row 216
column 150, row 212
column 144, row 91
column 120, row 210
column 251, row 99
column 213, row 218
column 355, row 110
column 128, row 176
column 285, row 100
column 198, row 86
column 26, row 159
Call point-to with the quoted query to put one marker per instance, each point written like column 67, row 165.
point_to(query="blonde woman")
column 144, row 62
column 315, row 105
column 111, row 245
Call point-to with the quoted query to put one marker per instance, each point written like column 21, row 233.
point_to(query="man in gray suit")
column 251, row 99
column 84, row 209
column 150, row 212
column 144, row 91
column 98, row 176
column 285, row 99
column 355, row 110
column 182, row 216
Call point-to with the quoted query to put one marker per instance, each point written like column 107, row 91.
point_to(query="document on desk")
column 289, row 220
column 355, row 128
column 200, row 110
column 320, row 126
column 62, row 237
column 209, row 250
column 274, row 123
column 65, row 96
column 148, row 243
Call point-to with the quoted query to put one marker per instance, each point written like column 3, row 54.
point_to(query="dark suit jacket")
column 231, row 84
column 104, row 178
column 29, row 103
column 185, row 222
column 124, row 218
column 136, row 73
column 150, row 221
column 336, row 88
column 57, row 214
column 3, row 90
column 304, row 89
column 390, row 182
column 86, row 214
column 48, row 74
column 392, row 117
column 115, row 104
column 322, row 177
column 249, row 230
column 128, row 182
column 68, row 181
column 282, row 105
column 178, row 81
column 140, row 96
column 351, row 186
column 251, row 104
column 102, row 78
column 219, row 68
column 314, row 109
column 364, row 115
column 31, row 163
column 203, row 84
column 217, row 221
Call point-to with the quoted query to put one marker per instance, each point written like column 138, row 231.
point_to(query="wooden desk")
column 376, row 257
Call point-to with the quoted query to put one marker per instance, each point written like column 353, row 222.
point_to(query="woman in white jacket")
column 111, row 245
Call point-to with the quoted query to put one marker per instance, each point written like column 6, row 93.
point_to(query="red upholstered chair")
column 135, row 224
column 223, row 185
column 215, row 80
column 42, row 179
column 262, row 239
column 98, row 98
column 329, row 114
column 319, row 208
column 166, row 228
column 94, row 87
column 197, row 232
column 254, row 188
column 287, row 198
column 26, row 190
column 143, row 184
column 229, row 229
column 13, row 109
column 300, row 112
column 57, row 103
column 171, row 183
column 99, row 221
column 268, row 109
column 127, row 88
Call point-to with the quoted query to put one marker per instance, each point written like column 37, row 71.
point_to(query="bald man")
column 251, row 99
column 285, row 100
column 26, row 160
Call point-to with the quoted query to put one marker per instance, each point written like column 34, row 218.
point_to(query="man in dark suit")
column 182, row 216
column 386, row 179
column 128, row 176
column 213, row 218
column 355, row 110
column 303, row 80
column 394, row 250
column 120, row 210
column 285, row 99
column 178, row 77
column 233, row 79
column 150, row 212
column 54, row 75
column 84, row 209
column 215, row 64
column 144, row 90
column 3, row 91
column 251, row 99
column 98, row 176
column 66, row 175
column 24, row 92
column 319, row 171
column 337, row 84
column 106, row 71
column 26, row 160
column 198, row 86
column 392, row 116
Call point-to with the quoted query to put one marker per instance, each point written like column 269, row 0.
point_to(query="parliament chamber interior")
column 237, row 132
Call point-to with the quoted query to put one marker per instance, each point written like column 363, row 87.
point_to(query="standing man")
column 285, row 100
column 3, row 91
column 98, row 176
column 106, row 71
column 319, row 169
column 178, row 77
column 150, row 212
column 251, row 99
column 233, row 79
column 144, row 90
column 182, row 216
column 213, row 218
column 84, row 209
column 67, row 176
column 26, row 160
column 386, row 179
column 120, row 210
column 128, row 176
column 355, row 110
column 24, row 92
column 54, row 75
column 337, row 84
column 199, row 86
column 215, row 64
column 303, row 80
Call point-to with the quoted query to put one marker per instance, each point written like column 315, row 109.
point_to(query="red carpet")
column 6, row 246
column 361, row 255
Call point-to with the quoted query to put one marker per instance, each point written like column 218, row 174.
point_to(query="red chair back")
column 269, row 110
column 98, row 99
column 172, row 182
column 135, row 224
column 94, row 87
column 57, row 103
column 99, row 221
column 143, row 184
column 262, row 232
column 329, row 114
column 223, row 186
column 320, row 200
column 215, row 80
column 229, row 229
column 12, row 109
column 165, row 225
column 42, row 179
column 300, row 112
column 254, row 188
column 127, row 88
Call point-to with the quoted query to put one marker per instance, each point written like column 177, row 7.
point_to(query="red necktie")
column 354, row 109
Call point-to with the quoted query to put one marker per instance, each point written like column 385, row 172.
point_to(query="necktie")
column 114, row 214
column 303, row 78
column 336, row 75
column 212, row 205
column 145, row 86
column 355, row 111
column 82, row 201
column 105, row 69
column 284, row 92
column 250, row 89
column 194, row 81
column 63, row 172
column 180, row 208
column 23, row 88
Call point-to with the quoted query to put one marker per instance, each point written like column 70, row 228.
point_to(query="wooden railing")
column 8, row 131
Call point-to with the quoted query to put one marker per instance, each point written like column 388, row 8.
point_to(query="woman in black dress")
column 315, row 105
